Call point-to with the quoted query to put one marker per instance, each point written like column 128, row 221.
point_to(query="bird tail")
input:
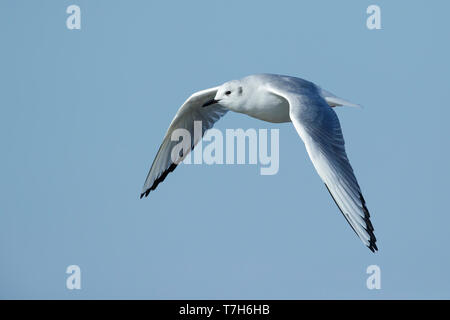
column 335, row 101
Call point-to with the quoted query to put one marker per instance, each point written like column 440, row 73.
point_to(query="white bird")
column 277, row 98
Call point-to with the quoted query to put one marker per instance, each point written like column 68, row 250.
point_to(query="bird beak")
column 210, row 102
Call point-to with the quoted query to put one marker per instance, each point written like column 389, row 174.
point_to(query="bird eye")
column 228, row 93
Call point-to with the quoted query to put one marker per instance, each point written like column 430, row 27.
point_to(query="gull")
column 277, row 99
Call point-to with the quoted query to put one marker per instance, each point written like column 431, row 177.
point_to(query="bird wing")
column 318, row 126
column 190, row 111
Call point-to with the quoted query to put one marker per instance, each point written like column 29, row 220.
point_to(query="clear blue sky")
column 82, row 114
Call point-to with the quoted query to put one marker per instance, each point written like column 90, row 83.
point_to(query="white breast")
column 267, row 107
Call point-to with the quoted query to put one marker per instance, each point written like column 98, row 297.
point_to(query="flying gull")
column 277, row 99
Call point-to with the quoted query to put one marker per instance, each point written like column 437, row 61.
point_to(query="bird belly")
column 271, row 109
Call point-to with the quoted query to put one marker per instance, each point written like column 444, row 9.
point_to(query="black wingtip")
column 372, row 241
column 144, row 194
column 373, row 247
column 158, row 180
column 370, row 230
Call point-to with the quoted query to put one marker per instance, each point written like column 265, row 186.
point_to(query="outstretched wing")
column 319, row 127
column 189, row 112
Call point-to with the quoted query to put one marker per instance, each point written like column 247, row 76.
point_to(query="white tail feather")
column 335, row 101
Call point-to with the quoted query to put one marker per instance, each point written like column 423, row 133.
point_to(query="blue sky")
column 82, row 114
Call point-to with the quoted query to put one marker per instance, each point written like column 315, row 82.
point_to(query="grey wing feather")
column 189, row 112
column 319, row 127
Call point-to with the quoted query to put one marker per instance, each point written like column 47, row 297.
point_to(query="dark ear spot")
column 240, row 90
